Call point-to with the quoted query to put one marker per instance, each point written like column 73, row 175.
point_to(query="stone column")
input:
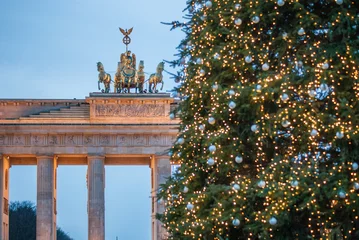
column 96, row 197
column 160, row 170
column 46, row 193
column 4, row 197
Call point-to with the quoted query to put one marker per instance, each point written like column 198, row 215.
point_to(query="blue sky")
column 49, row 49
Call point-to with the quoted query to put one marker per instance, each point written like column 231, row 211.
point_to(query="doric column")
column 4, row 197
column 46, row 193
column 160, row 170
column 96, row 197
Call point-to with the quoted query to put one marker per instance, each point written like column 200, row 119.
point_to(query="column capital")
column 95, row 157
column 44, row 157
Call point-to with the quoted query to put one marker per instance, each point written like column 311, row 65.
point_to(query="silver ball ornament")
column 236, row 187
column 273, row 221
column 248, row 59
column 284, row 35
column 339, row 135
column 254, row 128
column 294, row 183
column 237, row 6
column 172, row 116
column 180, row 141
column 212, row 148
column 190, row 206
column 301, row 32
column 314, row 132
column 255, row 19
column 238, row 21
column 325, row 66
column 232, row 105
column 202, row 72
column 211, row 120
column 201, row 127
column 341, row 194
column 261, row 184
column 236, row 222
column 285, row 123
column 239, row 159
column 208, row 4
column 281, row 3
column 214, row 87
column 210, row 161
column 312, row 93
column 231, row 92
column 284, row 97
column 265, row 67
column 356, row 186
column 185, row 189
column 355, row 166
column 339, row 2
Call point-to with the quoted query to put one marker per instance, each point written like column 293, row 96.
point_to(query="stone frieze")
column 130, row 110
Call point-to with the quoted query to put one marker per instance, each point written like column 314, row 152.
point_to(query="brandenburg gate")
column 103, row 129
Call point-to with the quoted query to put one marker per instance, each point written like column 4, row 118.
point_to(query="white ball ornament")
column 355, row 166
column 261, row 184
column 285, row 97
column 248, row 59
column 339, row 2
column 185, row 189
column 285, row 123
column 180, row 141
column 237, row 6
column 232, row 105
column 273, row 221
column 341, row 194
column 210, row 161
column 294, row 183
column 212, row 148
column 214, row 87
column 314, row 133
column 255, row 19
column 172, row 116
column 236, row 222
column 238, row 21
column 211, row 120
column 339, row 135
column 281, row 3
column 254, row 128
column 231, row 92
column 239, row 159
column 190, row 206
column 216, row 56
column 202, row 72
column 208, row 4
column 325, row 66
column 301, row 32
column 199, row 61
column 265, row 67
column 201, row 127
column 258, row 87
column 236, row 187
column 356, row 186
column 312, row 93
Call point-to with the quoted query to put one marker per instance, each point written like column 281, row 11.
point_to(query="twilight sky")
column 49, row 49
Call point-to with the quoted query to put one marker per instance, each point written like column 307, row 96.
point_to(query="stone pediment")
column 109, row 108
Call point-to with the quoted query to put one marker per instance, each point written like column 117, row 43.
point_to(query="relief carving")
column 2, row 139
column 139, row 140
column 104, row 140
column 88, row 140
column 130, row 110
column 53, row 140
column 37, row 140
column 122, row 140
column 19, row 140
column 70, row 139
column 155, row 140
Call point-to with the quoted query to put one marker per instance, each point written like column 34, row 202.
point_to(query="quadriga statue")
column 125, row 77
column 104, row 78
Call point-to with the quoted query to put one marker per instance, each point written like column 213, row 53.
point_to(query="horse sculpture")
column 104, row 78
column 156, row 78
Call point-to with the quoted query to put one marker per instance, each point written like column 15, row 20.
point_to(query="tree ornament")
column 239, row 159
column 284, row 35
column 339, row 2
column 170, row 153
column 216, row 56
column 214, row 87
column 160, row 201
column 202, row 72
column 232, row 105
column 285, row 97
column 314, row 133
column 236, row 187
column 356, row 186
column 210, row 161
column 324, row 87
column 180, row 141
column 285, row 123
column 248, row 59
column 280, row 3
column 201, row 127
column 258, row 87
column 185, row 189
column 301, row 32
column 261, row 184
column 199, row 61
column 236, row 222
column 339, row 135
column 208, row 4
column 211, row 120
column 325, row 66
column 265, row 67
column 355, row 166
column 190, row 206
column 255, row 19
column 254, row 128
column 341, row 194
column 312, row 93
column 212, row 148
column 172, row 116
column 273, row 221
column 237, row 7
column 300, row 64
column 231, row 92
column 294, row 183
column 238, row 21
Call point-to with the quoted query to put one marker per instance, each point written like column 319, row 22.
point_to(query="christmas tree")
column 268, row 142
